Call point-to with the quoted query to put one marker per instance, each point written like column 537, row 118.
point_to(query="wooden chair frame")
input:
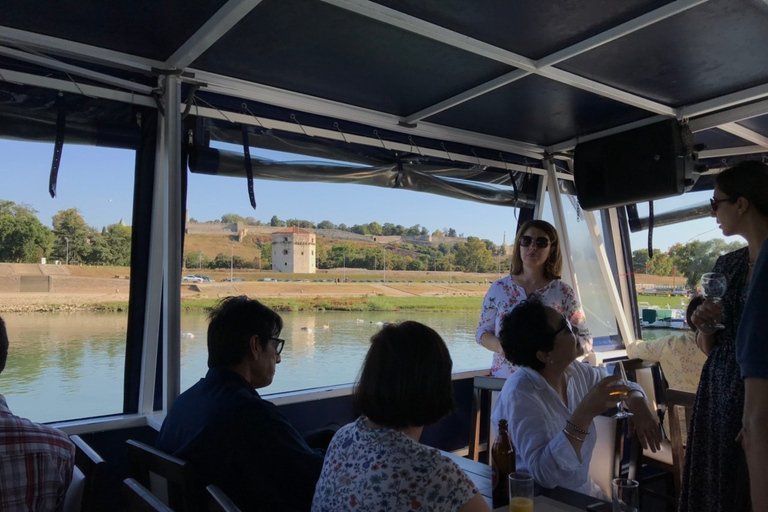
column 481, row 401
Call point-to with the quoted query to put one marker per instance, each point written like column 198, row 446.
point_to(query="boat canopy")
column 454, row 97
column 483, row 101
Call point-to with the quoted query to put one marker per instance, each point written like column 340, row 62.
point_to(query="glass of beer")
column 520, row 492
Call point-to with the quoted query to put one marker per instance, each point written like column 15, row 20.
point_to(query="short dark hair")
column 525, row 331
column 232, row 323
column 747, row 179
column 697, row 301
column 406, row 377
column 3, row 345
column 553, row 267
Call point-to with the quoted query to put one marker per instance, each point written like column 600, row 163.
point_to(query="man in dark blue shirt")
column 227, row 432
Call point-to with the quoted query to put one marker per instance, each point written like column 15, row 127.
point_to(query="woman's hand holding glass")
column 601, row 397
column 707, row 316
column 713, row 286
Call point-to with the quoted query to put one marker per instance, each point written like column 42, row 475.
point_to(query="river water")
column 70, row 365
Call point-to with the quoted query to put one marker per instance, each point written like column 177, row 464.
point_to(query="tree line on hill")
column 690, row 260
column 474, row 255
column 24, row 239
column 371, row 228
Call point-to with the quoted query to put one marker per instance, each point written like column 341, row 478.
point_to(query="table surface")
column 558, row 499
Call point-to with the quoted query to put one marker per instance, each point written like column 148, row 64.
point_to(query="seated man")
column 36, row 461
column 231, row 436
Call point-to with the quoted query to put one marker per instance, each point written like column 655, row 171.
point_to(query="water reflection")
column 71, row 365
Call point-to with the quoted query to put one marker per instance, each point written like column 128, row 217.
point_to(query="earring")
column 551, row 360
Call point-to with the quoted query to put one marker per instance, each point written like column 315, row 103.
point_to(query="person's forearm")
column 492, row 343
column 755, row 440
column 706, row 342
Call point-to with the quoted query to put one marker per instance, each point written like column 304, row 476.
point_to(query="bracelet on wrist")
column 573, row 436
column 577, row 429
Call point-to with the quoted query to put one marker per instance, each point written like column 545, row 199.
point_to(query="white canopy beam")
column 217, row 25
column 547, row 62
column 745, row 133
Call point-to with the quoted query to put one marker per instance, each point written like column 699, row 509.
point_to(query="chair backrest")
column 167, row 477
column 137, row 498
column 608, row 453
column 676, row 401
column 483, row 386
column 220, row 502
column 89, row 481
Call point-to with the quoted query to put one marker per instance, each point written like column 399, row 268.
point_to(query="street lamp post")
column 67, row 240
column 231, row 261
column 345, row 265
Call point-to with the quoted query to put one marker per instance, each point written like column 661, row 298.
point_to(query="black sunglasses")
column 566, row 326
column 714, row 203
column 279, row 345
column 542, row 242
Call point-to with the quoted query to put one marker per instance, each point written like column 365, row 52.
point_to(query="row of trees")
column 371, row 228
column 474, row 255
column 24, row 239
column 690, row 260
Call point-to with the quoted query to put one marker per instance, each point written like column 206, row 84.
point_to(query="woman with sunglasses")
column 715, row 472
column 551, row 400
column 536, row 269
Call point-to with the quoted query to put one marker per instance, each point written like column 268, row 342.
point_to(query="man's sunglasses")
column 541, row 242
column 279, row 345
column 715, row 202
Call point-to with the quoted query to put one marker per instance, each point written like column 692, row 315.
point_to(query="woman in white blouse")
column 536, row 269
column 551, row 400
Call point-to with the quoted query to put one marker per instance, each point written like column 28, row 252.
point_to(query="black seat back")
column 167, row 477
column 137, row 498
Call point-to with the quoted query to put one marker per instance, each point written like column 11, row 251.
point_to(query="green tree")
column 197, row 259
column 266, row 255
column 437, row 232
column 70, row 228
column 696, row 258
column 23, row 238
column 474, row 256
column 232, row 218
column 326, row 224
column 275, row 222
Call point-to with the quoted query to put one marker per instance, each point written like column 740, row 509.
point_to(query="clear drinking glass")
column 626, row 495
column 621, row 405
column 520, row 492
column 713, row 286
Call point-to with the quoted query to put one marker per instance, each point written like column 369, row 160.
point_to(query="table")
column 558, row 499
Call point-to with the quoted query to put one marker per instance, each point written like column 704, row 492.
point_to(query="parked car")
column 207, row 279
column 234, row 279
column 192, row 279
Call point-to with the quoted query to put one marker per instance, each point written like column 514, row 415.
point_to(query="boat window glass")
column 593, row 291
column 66, row 360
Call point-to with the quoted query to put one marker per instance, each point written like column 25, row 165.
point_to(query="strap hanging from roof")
column 61, row 121
column 650, row 232
column 248, row 165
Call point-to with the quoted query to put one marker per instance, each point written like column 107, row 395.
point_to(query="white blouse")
column 537, row 417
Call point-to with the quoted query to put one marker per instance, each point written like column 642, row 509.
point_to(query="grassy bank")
column 380, row 303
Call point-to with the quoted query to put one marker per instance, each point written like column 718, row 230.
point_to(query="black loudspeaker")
column 646, row 163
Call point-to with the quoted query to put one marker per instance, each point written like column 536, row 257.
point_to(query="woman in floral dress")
column 536, row 269
column 715, row 476
column 377, row 464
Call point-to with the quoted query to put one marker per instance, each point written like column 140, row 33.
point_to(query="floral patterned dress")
column 715, row 475
column 384, row 470
column 504, row 295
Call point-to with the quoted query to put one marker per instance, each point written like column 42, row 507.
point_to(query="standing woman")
column 536, row 269
column 715, row 475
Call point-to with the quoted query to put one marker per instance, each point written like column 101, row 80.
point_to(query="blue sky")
column 99, row 183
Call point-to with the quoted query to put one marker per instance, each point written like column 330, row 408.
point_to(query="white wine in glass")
column 621, row 405
column 713, row 287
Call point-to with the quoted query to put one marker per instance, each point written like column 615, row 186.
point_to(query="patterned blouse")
column 382, row 470
column 504, row 295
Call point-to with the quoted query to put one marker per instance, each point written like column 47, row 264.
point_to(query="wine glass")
column 713, row 286
column 620, row 405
